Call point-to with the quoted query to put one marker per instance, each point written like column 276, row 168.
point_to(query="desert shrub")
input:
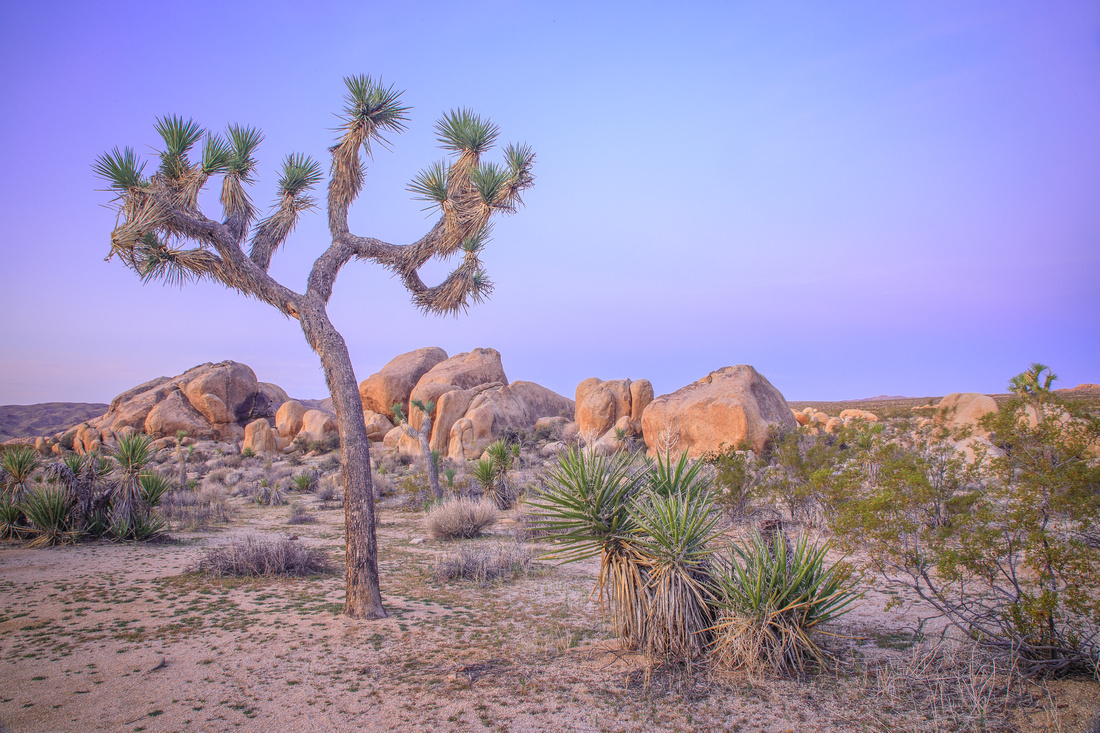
column 771, row 600
column 253, row 555
column 734, row 481
column 382, row 484
column 1005, row 555
column 543, row 434
column 195, row 510
column 232, row 460
column 330, row 463
column 948, row 684
column 153, row 487
column 327, row 492
column 483, row 563
column 218, row 475
column 247, row 452
column 461, row 519
column 300, row 515
column 492, row 472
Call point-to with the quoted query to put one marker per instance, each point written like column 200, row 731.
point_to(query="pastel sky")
column 857, row 198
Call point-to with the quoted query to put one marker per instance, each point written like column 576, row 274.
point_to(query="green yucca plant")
column 133, row 454
column 771, row 600
column 686, row 478
column 19, row 464
column 306, row 481
column 11, row 519
column 47, row 510
column 676, row 532
column 500, row 458
column 584, row 510
column 153, row 487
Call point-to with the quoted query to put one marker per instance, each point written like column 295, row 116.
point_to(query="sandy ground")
column 116, row 637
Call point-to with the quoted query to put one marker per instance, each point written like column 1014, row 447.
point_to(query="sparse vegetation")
column 483, row 563
column 461, row 518
column 259, row 556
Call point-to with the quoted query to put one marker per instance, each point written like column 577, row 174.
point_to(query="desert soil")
column 122, row 637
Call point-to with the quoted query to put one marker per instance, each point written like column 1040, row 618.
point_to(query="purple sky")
column 857, row 198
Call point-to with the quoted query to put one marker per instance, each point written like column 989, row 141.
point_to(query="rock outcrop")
column 395, row 381
column 377, row 425
column 519, row 405
column 726, row 407
column 210, row 401
column 963, row 408
column 288, row 419
column 603, row 406
column 259, row 437
column 317, row 425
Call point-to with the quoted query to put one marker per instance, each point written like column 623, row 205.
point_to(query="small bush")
column 300, row 515
column 258, row 556
column 326, row 493
column 485, row 563
column 194, row 510
column 461, row 519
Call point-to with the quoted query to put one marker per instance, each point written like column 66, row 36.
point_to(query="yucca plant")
column 772, row 598
column 133, row 454
column 500, row 488
column 153, row 487
column 306, row 481
column 666, row 479
column 584, row 509
column 484, row 474
column 47, row 510
column 11, row 519
column 19, row 464
column 676, row 534
column 81, row 476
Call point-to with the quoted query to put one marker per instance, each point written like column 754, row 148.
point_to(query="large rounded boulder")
column 727, row 407
column 393, row 384
column 960, row 409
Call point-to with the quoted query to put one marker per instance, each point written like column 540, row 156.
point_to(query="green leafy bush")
column 1002, row 547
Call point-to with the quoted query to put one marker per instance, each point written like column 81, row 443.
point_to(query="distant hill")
column 26, row 421
column 884, row 397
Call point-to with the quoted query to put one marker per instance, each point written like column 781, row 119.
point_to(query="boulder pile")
column 210, row 401
column 474, row 402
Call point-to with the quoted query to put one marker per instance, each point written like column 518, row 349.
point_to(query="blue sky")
column 857, row 198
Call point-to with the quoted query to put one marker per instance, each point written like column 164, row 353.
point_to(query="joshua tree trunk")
column 362, row 598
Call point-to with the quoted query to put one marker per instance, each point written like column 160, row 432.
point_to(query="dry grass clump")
column 195, row 510
column 258, row 556
column 300, row 515
column 955, row 685
column 461, row 519
column 484, row 563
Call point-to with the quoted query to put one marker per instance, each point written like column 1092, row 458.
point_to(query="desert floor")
column 120, row 637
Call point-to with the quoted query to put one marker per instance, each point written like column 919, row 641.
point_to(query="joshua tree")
column 163, row 235
column 421, row 436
